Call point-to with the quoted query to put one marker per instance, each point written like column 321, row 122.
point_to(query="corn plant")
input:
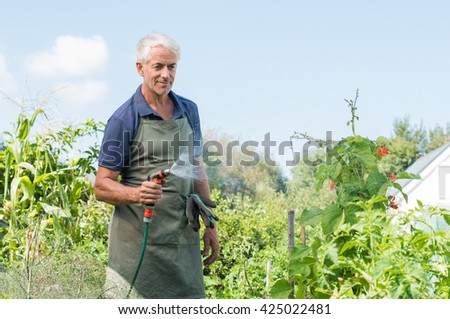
column 47, row 199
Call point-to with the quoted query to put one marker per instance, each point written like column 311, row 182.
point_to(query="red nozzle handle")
column 156, row 178
column 148, row 212
column 159, row 176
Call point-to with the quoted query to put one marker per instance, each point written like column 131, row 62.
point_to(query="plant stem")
column 246, row 278
column 353, row 108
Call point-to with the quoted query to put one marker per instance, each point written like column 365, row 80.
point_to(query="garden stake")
column 148, row 217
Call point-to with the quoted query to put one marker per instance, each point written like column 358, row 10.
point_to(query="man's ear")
column 140, row 68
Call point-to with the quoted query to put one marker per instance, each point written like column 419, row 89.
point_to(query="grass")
column 70, row 275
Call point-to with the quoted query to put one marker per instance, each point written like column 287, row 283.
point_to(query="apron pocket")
column 170, row 224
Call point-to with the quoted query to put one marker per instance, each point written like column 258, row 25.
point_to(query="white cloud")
column 7, row 83
column 84, row 93
column 70, row 56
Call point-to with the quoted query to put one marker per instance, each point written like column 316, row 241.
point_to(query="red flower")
column 383, row 151
column 332, row 184
column 392, row 204
column 392, row 177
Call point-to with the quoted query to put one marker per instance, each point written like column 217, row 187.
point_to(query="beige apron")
column 172, row 266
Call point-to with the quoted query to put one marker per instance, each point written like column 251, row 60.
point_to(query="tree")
column 235, row 169
column 409, row 142
column 437, row 137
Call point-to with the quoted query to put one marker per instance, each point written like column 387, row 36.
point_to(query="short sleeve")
column 115, row 145
column 198, row 138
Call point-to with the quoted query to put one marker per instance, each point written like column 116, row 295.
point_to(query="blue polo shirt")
column 122, row 127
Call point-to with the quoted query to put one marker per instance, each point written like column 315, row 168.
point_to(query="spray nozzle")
column 156, row 178
column 159, row 176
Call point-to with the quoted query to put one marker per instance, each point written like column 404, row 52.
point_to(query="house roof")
column 422, row 163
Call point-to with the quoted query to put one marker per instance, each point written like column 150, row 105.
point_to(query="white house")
column 434, row 186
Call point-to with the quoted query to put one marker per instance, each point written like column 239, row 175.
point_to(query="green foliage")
column 360, row 246
column 252, row 234
column 44, row 191
column 409, row 142
column 382, row 255
column 437, row 137
column 47, row 202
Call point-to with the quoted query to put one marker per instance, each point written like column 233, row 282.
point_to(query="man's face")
column 159, row 72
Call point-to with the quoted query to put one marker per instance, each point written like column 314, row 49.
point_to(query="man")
column 139, row 140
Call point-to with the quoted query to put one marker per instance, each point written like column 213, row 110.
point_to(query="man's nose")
column 165, row 72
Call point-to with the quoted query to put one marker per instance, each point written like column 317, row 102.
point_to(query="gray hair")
column 147, row 43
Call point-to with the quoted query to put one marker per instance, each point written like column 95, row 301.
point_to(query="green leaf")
column 321, row 176
column 420, row 204
column 300, row 293
column 406, row 175
column 320, row 293
column 335, row 171
column 400, row 188
column 14, row 186
column 311, row 216
column 300, row 251
column 298, row 267
column 447, row 219
column 55, row 210
column 380, row 267
column 28, row 166
column 374, row 183
column 350, row 245
column 35, row 115
column 23, row 129
column 383, row 189
column 363, row 153
column 331, row 253
column 281, row 289
column 27, row 187
column 419, row 237
column 41, row 177
column 377, row 199
column 331, row 218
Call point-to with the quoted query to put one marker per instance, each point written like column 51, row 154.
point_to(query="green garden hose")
column 141, row 258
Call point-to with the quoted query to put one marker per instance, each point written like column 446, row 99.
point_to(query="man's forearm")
column 115, row 193
column 201, row 185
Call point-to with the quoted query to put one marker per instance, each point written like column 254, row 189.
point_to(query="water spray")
column 185, row 168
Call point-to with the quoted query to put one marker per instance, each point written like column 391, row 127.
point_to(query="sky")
column 253, row 67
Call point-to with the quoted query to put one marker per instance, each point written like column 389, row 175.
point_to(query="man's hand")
column 150, row 192
column 210, row 240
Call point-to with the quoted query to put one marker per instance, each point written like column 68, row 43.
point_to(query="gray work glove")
column 197, row 205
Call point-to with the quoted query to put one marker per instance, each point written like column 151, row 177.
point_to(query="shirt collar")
column 145, row 110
